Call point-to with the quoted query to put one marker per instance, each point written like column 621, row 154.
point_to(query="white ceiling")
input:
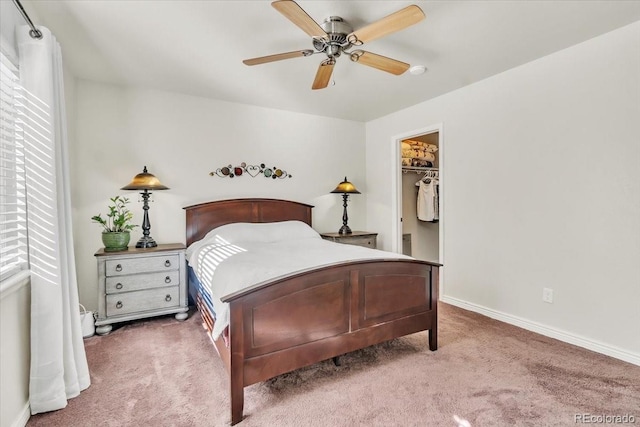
column 197, row 47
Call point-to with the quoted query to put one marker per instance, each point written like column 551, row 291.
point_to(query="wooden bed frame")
column 290, row 322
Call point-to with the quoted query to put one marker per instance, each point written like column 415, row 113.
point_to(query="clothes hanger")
column 428, row 175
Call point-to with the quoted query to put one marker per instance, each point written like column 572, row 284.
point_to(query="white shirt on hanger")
column 427, row 209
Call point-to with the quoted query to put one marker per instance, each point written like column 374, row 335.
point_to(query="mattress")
column 236, row 256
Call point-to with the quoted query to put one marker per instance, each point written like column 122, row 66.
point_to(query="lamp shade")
column 346, row 187
column 145, row 181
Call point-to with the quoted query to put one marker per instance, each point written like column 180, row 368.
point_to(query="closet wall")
column 421, row 237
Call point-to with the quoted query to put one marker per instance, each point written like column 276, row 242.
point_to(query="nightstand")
column 141, row 282
column 358, row 238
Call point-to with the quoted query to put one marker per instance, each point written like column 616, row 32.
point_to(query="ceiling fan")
column 335, row 37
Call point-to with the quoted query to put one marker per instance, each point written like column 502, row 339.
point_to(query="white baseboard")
column 547, row 331
column 23, row 417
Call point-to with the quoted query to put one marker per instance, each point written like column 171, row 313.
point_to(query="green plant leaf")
column 118, row 217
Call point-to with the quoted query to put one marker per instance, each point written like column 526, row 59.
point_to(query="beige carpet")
column 160, row 372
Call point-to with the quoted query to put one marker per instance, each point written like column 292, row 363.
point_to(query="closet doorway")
column 418, row 177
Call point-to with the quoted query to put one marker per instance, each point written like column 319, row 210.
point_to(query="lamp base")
column 146, row 242
column 344, row 230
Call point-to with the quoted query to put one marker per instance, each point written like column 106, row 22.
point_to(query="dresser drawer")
column 116, row 284
column 368, row 242
column 119, row 267
column 357, row 238
column 150, row 299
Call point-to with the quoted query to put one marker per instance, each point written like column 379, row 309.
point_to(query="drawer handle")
column 118, row 285
column 167, row 298
column 167, row 263
column 119, row 304
column 118, row 267
column 167, row 279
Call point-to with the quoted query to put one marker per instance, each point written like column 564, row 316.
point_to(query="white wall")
column 541, row 184
column 183, row 138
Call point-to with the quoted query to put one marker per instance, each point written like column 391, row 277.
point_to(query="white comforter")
column 226, row 262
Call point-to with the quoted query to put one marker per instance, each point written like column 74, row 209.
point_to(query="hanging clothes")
column 436, row 203
column 427, row 203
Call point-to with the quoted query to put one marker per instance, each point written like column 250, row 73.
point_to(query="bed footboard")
column 288, row 323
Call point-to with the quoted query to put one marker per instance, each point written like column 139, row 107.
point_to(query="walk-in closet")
column 420, row 157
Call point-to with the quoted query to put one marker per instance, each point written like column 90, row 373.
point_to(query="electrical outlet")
column 547, row 295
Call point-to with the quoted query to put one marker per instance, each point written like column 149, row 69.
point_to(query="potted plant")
column 116, row 226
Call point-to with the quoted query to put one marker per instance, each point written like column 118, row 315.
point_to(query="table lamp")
column 346, row 188
column 145, row 182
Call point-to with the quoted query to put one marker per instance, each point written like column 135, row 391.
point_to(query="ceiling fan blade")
column 380, row 62
column 277, row 57
column 323, row 75
column 390, row 24
column 298, row 16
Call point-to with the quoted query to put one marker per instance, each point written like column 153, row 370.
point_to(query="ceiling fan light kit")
column 335, row 37
column 416, row 70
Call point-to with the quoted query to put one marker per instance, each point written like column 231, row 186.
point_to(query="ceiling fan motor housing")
column 337, row 30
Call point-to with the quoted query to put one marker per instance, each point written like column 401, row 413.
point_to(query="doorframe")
column 396, row 182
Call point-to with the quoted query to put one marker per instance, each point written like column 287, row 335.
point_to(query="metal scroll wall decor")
column 250, row 170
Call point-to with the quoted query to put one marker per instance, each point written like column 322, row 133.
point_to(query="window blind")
column 13, row 218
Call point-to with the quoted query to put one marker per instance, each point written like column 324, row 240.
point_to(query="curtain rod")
column 34, row 32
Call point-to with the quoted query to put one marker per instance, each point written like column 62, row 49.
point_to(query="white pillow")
column 247, row 232
column 265, row 232
column 288, row 230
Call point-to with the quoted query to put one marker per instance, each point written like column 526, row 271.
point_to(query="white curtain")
column 59, row 369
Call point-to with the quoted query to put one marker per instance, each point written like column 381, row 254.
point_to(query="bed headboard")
column 205, row 217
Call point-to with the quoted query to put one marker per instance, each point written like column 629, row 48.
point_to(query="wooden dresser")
column 139, row 283
column 358, row 238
